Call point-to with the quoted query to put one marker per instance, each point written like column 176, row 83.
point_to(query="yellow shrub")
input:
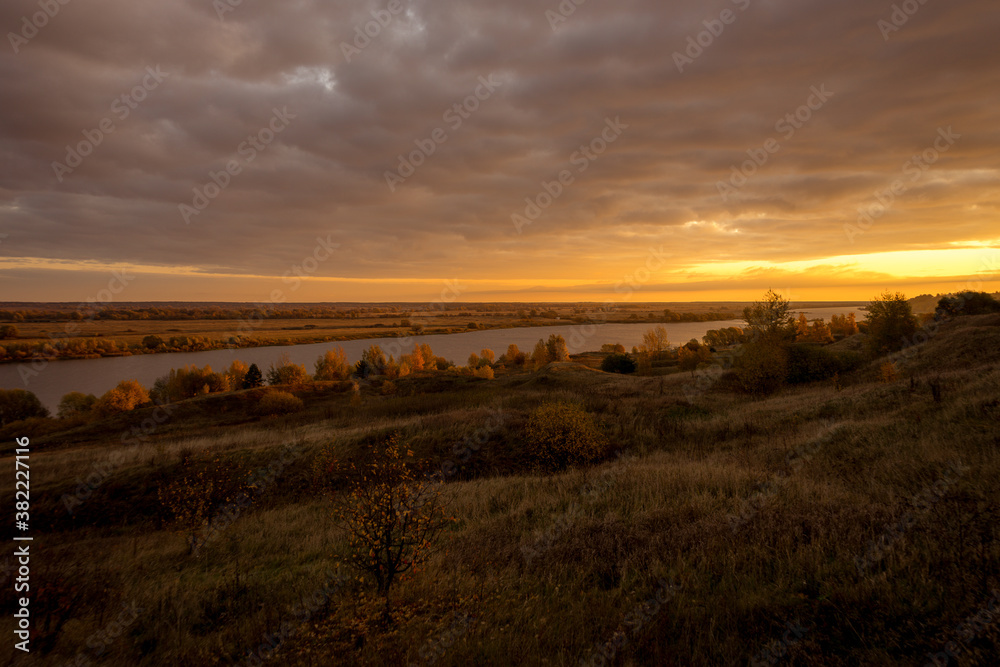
column 392, row 514
column 128, row 395
column 562, row 434
column 278, row 403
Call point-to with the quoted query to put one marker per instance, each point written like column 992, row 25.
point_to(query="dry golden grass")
column 758, row 509
column 295, row 331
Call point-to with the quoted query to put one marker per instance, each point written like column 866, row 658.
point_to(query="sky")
column 408, row 150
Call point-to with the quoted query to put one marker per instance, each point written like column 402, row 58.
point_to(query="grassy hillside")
column 829, row 524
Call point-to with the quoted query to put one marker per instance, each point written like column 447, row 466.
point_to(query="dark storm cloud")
column 325, row 172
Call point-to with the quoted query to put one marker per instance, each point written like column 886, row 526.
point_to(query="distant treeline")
column 931, row 303
column 270, row 311
column 266, row 311
column 94, row 348
column 712, row 316
column 70, row 344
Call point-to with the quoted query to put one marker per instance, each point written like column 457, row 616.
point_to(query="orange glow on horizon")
column 841, row 278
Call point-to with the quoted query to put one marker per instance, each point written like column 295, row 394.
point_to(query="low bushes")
column 562, row 434
column 483, row 372
column 18, row 404
column 761, row 369
column 277, row 403
column 811, row 363
column 127, row 396
column 618, row 363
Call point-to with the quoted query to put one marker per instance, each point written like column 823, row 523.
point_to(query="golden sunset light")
column 559, row 333
column 498, row 146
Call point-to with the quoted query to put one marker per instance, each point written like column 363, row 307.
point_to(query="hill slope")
column 850, row 527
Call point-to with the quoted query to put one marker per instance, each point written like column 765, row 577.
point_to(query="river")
column 96, row 376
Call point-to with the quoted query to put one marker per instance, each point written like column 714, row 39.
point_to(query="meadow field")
column 64, row 331
column 412, row 334
column 850, row 521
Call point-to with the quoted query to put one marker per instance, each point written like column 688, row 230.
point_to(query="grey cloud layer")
column 325, row 173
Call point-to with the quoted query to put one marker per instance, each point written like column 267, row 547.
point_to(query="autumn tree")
column 391, row 514
column 838, row 324
column 891, row 324
column 333, row 365
column 540, row 356
column 693, row 354
column 235, row 374
column 819, row 332
column 18, row 404
column 514, row 356
column 769, row 319
column 414, row 360
column 76, row 403
column 427, row 354
column 152, row 342
column 801, row 328
column 763, row 365
column 205, row 381
column 187, row 382
column 724, row 337
column 655, row 342
column 843, row 325
column 392, row 369
column 851, row 326
column 372, row 362
column 198, row 489
column 557, row 349
column 284, row 372
column 127, row 396
column 422, row 358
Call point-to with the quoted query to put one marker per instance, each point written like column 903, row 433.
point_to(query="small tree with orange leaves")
column 392, row 516
column 199, row 488
column 415, row 360
column 802, row 328
column 333, row 365
column 127, row 396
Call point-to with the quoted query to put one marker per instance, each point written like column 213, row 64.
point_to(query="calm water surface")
column 96, row 376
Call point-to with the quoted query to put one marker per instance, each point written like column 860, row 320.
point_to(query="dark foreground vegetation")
column 776, row 499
